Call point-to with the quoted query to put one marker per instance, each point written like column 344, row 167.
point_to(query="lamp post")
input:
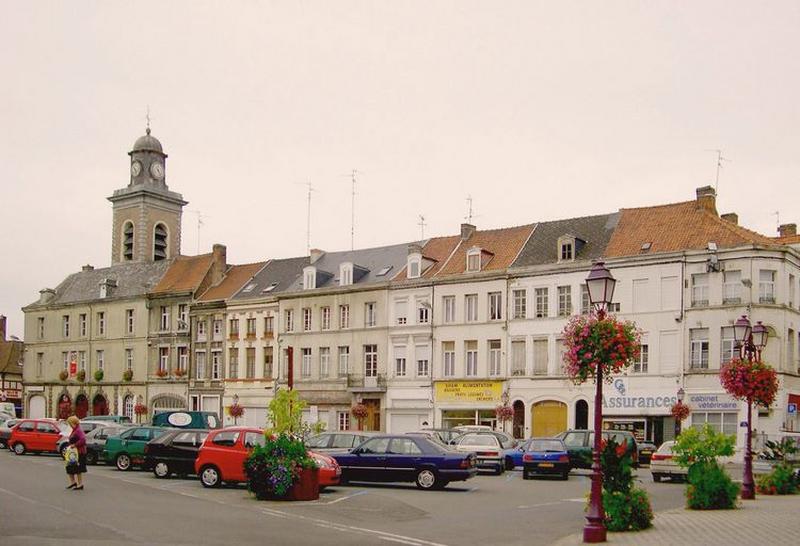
column 750, row 341
column 681, row 394
column 235, row 403
column 600, row 284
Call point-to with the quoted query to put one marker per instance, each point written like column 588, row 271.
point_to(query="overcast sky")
column 538, row 110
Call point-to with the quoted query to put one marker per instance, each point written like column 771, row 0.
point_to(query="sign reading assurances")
column 469, row 391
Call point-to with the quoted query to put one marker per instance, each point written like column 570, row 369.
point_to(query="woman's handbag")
column 71, row 456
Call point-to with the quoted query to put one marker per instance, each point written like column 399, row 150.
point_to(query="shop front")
column 643, row 412
column 720, row 410
column 467, row 402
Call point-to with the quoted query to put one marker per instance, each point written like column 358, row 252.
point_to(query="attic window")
column 346, row 274
column 568, row 246
column 474, row 259
column 646, row 247
column 712, row 246
column 249, row 287
column 270, row 288
column 309, row 278
column 383, row 271
column 413, row 269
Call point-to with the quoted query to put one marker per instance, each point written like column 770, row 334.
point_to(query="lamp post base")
column 594, row 532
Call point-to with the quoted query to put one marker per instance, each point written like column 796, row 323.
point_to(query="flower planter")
column 307, row 487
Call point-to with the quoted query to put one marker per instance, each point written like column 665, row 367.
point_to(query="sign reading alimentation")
column 469, row 391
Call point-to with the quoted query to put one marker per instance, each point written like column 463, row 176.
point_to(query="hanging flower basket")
column 235, row 410
column 82, row 375
column 610, row 344
column 504, row 413
column 359, row 411
column 98, row 375
column 140, row 409
column 754, row 382
column 680, row 411
column 127, row 375
column 63, row 375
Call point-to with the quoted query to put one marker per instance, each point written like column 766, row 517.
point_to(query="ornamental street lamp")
column 750, row 341
column 600, row 284
column 681, row 395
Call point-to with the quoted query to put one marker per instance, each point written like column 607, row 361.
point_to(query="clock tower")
column 147, row 215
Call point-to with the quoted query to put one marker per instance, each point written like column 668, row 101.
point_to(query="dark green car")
column 127, row 448
column 581, row 442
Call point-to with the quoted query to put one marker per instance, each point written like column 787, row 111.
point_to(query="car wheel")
column 123, row 462
column 209, row 476
column 656, row 478
column 509, row 463
column 91, row 458
column 161, row 470
column 526, row 475
column 499, row 470
column 427, row 479
column 19, row 448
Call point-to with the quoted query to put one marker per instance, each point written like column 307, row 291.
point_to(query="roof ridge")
column 664, row 205
column 735, row 228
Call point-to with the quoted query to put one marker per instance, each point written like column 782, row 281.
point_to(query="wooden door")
column 373, row 419
column 549, row 418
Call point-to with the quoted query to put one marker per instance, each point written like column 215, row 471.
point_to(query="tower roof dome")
column 147, row 143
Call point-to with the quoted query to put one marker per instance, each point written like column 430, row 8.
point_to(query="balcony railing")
column 359, row 383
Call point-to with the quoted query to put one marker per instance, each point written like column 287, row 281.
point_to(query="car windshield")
column 546, row 445
column 666, row 448
column 318, row 441
column 478, row 440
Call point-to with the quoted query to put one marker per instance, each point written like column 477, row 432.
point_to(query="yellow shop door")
column 549, row 418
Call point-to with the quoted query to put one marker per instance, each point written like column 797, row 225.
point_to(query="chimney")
column 316, row 254
column 2, row 327
column 787, row 230
column 731, row 217
column 219, row 263
column 46, row 295
column 414, row 249
column 466, row 231
column 707, row 199
column 87, row 267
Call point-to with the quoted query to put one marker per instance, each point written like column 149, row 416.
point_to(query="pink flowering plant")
column 754, row 382
column 680, row 411
column 504, row 413
column 609, row 343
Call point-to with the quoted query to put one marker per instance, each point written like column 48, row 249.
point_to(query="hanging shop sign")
column 469, row 391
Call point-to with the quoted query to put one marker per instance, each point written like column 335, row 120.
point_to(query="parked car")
column 40, row 435
column 173, row 452
column 86, row 425
column 430, row 435
column 5, row 431
column 581, row 442
column 202, row 420
column 222, row 455
column 663, row 466
column 646, row 450
column 126, row 449
column 96, row 440
column 404, row 458
column 473, row 428
column 513, row 455
column 488, row 448
column 545, row 456
column 121, row 419
column 337, row 442
column 446, row 434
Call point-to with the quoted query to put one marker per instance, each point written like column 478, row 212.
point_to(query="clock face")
column 157, row 170
column 136, row 168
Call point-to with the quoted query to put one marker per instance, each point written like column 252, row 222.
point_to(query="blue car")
column 405, row 458
column 513, row 455
column 546, row 456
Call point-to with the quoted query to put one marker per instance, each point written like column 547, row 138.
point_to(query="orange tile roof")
column 235, row 278
column 788, row 240
column 505, row 244
column 676, row 227
column 437, row 249
column 185, row 273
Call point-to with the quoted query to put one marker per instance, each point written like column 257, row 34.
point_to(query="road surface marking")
column 524, row 506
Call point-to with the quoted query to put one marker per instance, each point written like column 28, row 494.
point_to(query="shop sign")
column 712, row 402
column 469, row 391
column 620, row 400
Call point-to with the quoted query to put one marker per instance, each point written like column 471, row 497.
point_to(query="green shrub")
column 627, row 512
column 781, row 481
column 271, row 469
column 286, row 412
column 617, row 466
column 702, row 446
column 710, row 487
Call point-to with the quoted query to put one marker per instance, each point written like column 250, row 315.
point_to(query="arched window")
column 160, row 242
column 127, row 241
column 127, row 406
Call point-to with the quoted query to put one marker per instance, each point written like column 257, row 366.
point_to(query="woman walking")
column 77, row 439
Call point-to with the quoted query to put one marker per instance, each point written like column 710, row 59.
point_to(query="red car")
column 222, row 455
column 35, row 435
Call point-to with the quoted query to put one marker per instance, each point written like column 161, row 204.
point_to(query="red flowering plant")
column 504, row 413
column 162, row 373
column 235, row 411
column 609, row 343
column 360, row 412
column 754, row 382
column 140, row 409
column 680, row 411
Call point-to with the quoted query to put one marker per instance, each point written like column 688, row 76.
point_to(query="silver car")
column 487, row 448
column 662, row 465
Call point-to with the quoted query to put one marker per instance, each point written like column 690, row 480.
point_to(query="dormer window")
column 567, row 251
column 346, row 274
column 568, row 246
column 309, row 278
column 413, row 269
column 474, row 259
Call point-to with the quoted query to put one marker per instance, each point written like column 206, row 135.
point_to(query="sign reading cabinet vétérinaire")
column 469, row 391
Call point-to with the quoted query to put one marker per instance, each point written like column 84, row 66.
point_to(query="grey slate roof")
column 132, row 278
column 541, row 248
column 282, row 273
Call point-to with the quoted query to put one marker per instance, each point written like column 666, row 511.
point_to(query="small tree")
column 710, row 487
column 286, row 412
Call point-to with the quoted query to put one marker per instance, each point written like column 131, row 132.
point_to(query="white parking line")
column 524, row 506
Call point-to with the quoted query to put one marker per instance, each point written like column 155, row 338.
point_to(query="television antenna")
column 200, row 224
column 352, row 177
column 470, row 211
column 720, row 159
column 421, row 225
column 308, row 215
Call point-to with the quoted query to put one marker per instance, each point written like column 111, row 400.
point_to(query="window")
column 82, row 360
column 164, row 323
column 343, row 420
column 251, row 327
column 423, row 312
column 216, row 325
column 100, row 357
column 566, row 251
column 790, row 341
column 564, row 301
column 183, row 358
column 344, row 316
column 344, row 360
column 269, row 326
column 101, row 323
column 766, row 286
column 370, row 360
column 449, row 358
column 65, row 359
column 129, row 324
column 39, row 364
column 494, row 356
column 326, row 318
column 698, row 354
column 345, row 274
column 183, row 316
column 233, row 328
column 401, row 311
column 305, row 367
column 253, row 439
column 324, row 361
column 474, row 259
column 250, row 361
column 586, row 303
column 520, row 303
column 640, row 366
column 201, row 330
column 160, row 243
column 423, row 353
column 309, row 278
column 404, row 446
column 375, row 446
column 289, row 320
column 233, row 364
column 127, row 242
column 163, row 359
column 471, row 360
column 495, row 306
column 200, row 364
column 216, row 365
column 726, row 423
column 128, row 359
column 727, row 345
column 82, row 325
column 471, row 307
column 369, row 314
column 268, row 359
column 127, row 406
column 413, row 269
column 541, row 303
column 449, row 304
column 540, row 356
column 792, row 288
column 400, row 361
column 40, row 327
column 700, row 290
column 306, row 319
column 226, row 438
column 518, row 357
column 65, row 325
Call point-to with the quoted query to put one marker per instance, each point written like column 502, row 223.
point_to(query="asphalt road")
column 135, row 508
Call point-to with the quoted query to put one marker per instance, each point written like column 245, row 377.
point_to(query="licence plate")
column 546, row 465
